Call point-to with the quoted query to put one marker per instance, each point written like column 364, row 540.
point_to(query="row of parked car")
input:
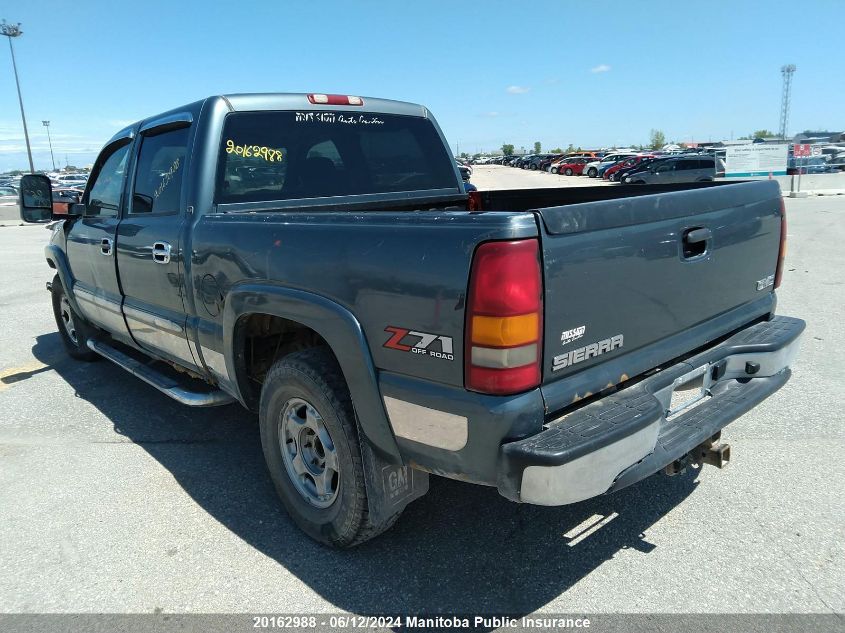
column 628, row 166
column 67, row 189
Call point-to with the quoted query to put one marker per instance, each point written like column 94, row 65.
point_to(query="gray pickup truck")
column 316, row 259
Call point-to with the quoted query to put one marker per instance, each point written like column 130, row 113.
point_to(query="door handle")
column 161, row 253
column 106, row 245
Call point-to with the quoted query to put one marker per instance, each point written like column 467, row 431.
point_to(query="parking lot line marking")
column 588, row 527
column 16, row 374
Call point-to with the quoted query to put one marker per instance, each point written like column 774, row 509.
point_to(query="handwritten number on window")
column 259, row 151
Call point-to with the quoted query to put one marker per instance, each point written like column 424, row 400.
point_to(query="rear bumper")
column 620, row 439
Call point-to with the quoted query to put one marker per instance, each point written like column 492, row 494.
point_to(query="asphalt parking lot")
column 115, row 499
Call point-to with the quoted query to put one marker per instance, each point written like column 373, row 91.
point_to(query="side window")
column 104, row 198
column 158, row 178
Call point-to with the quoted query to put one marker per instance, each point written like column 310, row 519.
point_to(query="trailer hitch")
column 708, row 452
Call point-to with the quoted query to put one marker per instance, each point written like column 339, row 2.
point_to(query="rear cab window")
column 287, row 155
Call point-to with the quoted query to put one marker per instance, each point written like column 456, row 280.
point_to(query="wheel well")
column 262, row 339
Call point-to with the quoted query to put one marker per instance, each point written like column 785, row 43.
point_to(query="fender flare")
column 58, row 259
column 339, row 328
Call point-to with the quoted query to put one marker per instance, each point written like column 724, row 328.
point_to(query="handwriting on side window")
column 334, row 117
column 247, row 151
column 166, row 177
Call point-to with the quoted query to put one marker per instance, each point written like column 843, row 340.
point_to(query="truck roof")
column 243, row 102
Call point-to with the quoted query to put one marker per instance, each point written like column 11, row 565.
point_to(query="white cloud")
column 601, row 68
column 517, row 90
column 490, row 115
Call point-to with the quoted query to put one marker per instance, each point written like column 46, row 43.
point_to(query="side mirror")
column 36, row 198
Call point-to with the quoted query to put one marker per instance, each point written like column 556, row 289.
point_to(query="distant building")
column 819, row 137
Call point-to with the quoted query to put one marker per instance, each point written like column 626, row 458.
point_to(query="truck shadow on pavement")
column 460, row 549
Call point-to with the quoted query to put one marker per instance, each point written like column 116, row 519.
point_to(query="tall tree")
column 657, row 139
column 537, row 147
column 507, row 149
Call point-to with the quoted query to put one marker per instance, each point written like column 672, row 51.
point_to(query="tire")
column 72, row 329
column 554, row 170
column 532, row 167
column 592, row 172
column 312, row 378
column 568, row 171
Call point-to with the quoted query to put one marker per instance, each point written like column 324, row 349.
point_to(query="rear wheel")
column 568, row 171
column 592, row 172
column 73, row 330
column 554, row 170
column 310, row 441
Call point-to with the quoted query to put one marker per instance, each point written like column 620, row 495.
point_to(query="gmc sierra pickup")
column 316, row 259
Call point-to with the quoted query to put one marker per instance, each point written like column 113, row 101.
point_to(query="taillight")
column 782, row 249
column 335, row 100
column 504, row 318
column 474, row 201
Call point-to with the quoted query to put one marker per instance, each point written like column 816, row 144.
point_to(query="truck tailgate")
column 634, row 282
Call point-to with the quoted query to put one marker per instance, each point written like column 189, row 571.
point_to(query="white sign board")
column 756, row 159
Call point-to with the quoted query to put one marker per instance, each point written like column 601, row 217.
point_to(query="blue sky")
column 587, row 73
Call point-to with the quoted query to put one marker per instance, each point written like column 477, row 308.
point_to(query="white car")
column 592, row 169
column 8, row 195
column 70, row 180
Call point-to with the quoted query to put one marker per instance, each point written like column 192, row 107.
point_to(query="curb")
column 813, row 192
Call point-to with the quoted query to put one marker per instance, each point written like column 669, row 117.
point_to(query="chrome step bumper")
column 620, row 439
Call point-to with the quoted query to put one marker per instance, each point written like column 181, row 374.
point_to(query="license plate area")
column 689, row 390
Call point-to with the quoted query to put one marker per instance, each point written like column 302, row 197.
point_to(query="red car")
column 572, row 166
column 625, row 164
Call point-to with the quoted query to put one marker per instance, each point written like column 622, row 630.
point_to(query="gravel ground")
column 500, row 177
column 115, row 499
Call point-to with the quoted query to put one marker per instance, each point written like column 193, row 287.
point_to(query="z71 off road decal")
column 406, row 340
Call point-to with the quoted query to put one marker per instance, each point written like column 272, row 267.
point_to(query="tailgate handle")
column 695, row 242
column 697, row 235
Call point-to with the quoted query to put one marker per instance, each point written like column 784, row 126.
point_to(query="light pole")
column 10, row 31
column 52, row 158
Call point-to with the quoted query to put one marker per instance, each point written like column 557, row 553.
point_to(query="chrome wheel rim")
column 67, row 320
column 309, row 454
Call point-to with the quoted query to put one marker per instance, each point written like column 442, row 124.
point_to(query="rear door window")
column 268, row 156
